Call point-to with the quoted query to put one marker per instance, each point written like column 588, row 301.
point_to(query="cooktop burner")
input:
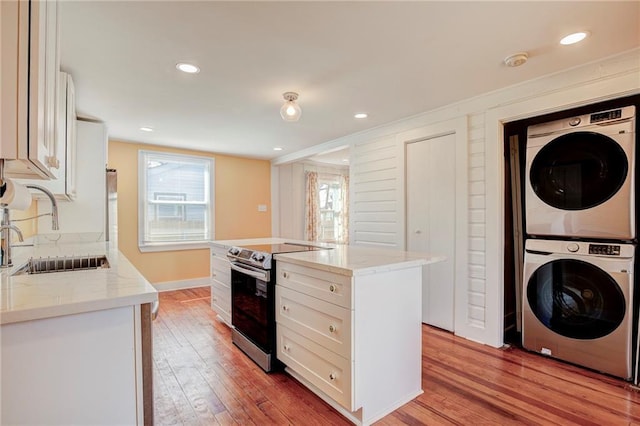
column 281, row 248
column 260, row 255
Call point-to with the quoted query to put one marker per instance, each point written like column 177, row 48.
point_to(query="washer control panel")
column 604, row 249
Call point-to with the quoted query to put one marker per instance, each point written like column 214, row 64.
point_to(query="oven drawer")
column 326, row 324
column 334, row 288
column 221, row 300
column 330, row 373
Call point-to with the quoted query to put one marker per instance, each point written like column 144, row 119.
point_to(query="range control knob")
column 574, row 121
column 573, row 247
column 258, row 257
column 234, row 251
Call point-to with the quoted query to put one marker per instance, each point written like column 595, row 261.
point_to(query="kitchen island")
column 349, row 326
column 76, row 345
column 348, row 323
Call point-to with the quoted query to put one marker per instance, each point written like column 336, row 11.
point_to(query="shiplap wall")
column 377, row 193
column 375, row 210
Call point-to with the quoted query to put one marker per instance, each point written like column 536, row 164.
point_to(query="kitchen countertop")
column 343, row 259
column 357, row 260
column 30, row 297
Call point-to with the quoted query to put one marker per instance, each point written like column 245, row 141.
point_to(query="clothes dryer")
column 577, row 303
column 580, row 176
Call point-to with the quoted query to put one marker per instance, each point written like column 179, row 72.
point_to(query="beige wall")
column 240, row 185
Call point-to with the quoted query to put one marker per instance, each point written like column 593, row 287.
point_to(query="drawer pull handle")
column 286, row 348
column 332, row 288
column 215, row 299
column 285, row 274
column 332, row 328
column 332, row 376
column 285, row 308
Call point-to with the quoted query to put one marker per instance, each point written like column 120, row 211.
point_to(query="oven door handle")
column 261, row 275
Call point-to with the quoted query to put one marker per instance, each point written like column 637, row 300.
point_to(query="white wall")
column 376, row 156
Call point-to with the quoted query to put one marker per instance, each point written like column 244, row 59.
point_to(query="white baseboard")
column 182, row 284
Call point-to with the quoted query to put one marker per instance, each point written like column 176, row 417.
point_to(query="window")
column 175, row 201
column 326, row 209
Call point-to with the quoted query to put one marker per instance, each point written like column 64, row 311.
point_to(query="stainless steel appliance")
column 253, row 299
column 578, row 303
column 581, row 176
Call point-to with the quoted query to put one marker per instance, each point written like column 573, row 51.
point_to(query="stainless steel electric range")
column 253, row 299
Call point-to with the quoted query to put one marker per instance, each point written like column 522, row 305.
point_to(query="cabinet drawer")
column 334, row 288
column 330, row 373
column 221, row 300
column 220, row 251
column 220, row 270
column 326, row 324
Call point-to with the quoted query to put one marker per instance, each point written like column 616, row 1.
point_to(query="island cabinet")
column 352, row 337
column 88, row 368
column 221, row 283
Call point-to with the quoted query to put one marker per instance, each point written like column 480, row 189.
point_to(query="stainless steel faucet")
column 5, row 245
column 54, row 204
column 5, row 229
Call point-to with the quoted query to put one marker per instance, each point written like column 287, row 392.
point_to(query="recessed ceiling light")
column 277, row 148
column 346, row 160
column 574, row 38
column 146, row 129
column 188, row 68
column 361, row 115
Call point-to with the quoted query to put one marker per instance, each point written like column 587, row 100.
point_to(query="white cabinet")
column 77, row 369
column 30, row 64
column 87, row 212
column 221, row 283
column 353, row 340
column 64, row 187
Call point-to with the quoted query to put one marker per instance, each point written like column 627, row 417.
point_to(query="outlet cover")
column 262, row 207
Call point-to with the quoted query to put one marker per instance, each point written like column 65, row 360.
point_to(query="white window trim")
column 142, row 184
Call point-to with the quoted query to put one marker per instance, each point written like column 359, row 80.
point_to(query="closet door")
column 431, row 214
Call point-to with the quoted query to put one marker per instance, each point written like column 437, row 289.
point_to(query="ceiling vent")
column 516, row 59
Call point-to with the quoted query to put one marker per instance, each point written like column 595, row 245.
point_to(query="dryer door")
column 578, row 170
column 576, row 299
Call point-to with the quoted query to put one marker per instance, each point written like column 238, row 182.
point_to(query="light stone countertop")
column 29, row 297
column 358, row 260
column 343, row 259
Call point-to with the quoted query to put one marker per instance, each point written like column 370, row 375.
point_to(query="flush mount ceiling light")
column 188, row 68
column 361, row 115
column 516, row 59
column 574, row 38
column 277, row 148
column 146, row 129
column 290, row 111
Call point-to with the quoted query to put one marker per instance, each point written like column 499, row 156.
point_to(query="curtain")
column 312, row 207
column 344, row 217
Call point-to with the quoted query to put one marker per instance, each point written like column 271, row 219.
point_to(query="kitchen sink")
column 44, row 265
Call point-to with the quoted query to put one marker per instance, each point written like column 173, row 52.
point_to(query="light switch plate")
column 262, row 207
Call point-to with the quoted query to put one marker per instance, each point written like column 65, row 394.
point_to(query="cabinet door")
column 43, row 86
column 30, row 63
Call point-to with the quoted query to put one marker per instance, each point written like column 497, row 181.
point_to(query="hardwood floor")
column 201, row 378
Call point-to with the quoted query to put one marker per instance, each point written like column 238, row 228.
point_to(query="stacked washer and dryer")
column 580, row 214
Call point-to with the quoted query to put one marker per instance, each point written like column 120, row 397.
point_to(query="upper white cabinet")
column 64, row 187
column 29, row 82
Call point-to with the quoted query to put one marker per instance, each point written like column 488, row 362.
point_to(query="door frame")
column 459, row 128
column 492, row 333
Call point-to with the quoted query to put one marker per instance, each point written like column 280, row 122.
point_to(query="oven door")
column 252, row 305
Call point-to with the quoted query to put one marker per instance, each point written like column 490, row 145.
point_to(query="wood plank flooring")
column 201, row 378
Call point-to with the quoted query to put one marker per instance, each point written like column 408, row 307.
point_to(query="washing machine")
column 580, row 176
column 577, row 303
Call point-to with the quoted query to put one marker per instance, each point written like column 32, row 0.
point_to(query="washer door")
column 578, row 171
column 576, row 299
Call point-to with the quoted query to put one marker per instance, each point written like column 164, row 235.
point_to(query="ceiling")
column 389, row 59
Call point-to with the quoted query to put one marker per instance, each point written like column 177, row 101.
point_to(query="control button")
column 574, row 121
column 573, row 247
